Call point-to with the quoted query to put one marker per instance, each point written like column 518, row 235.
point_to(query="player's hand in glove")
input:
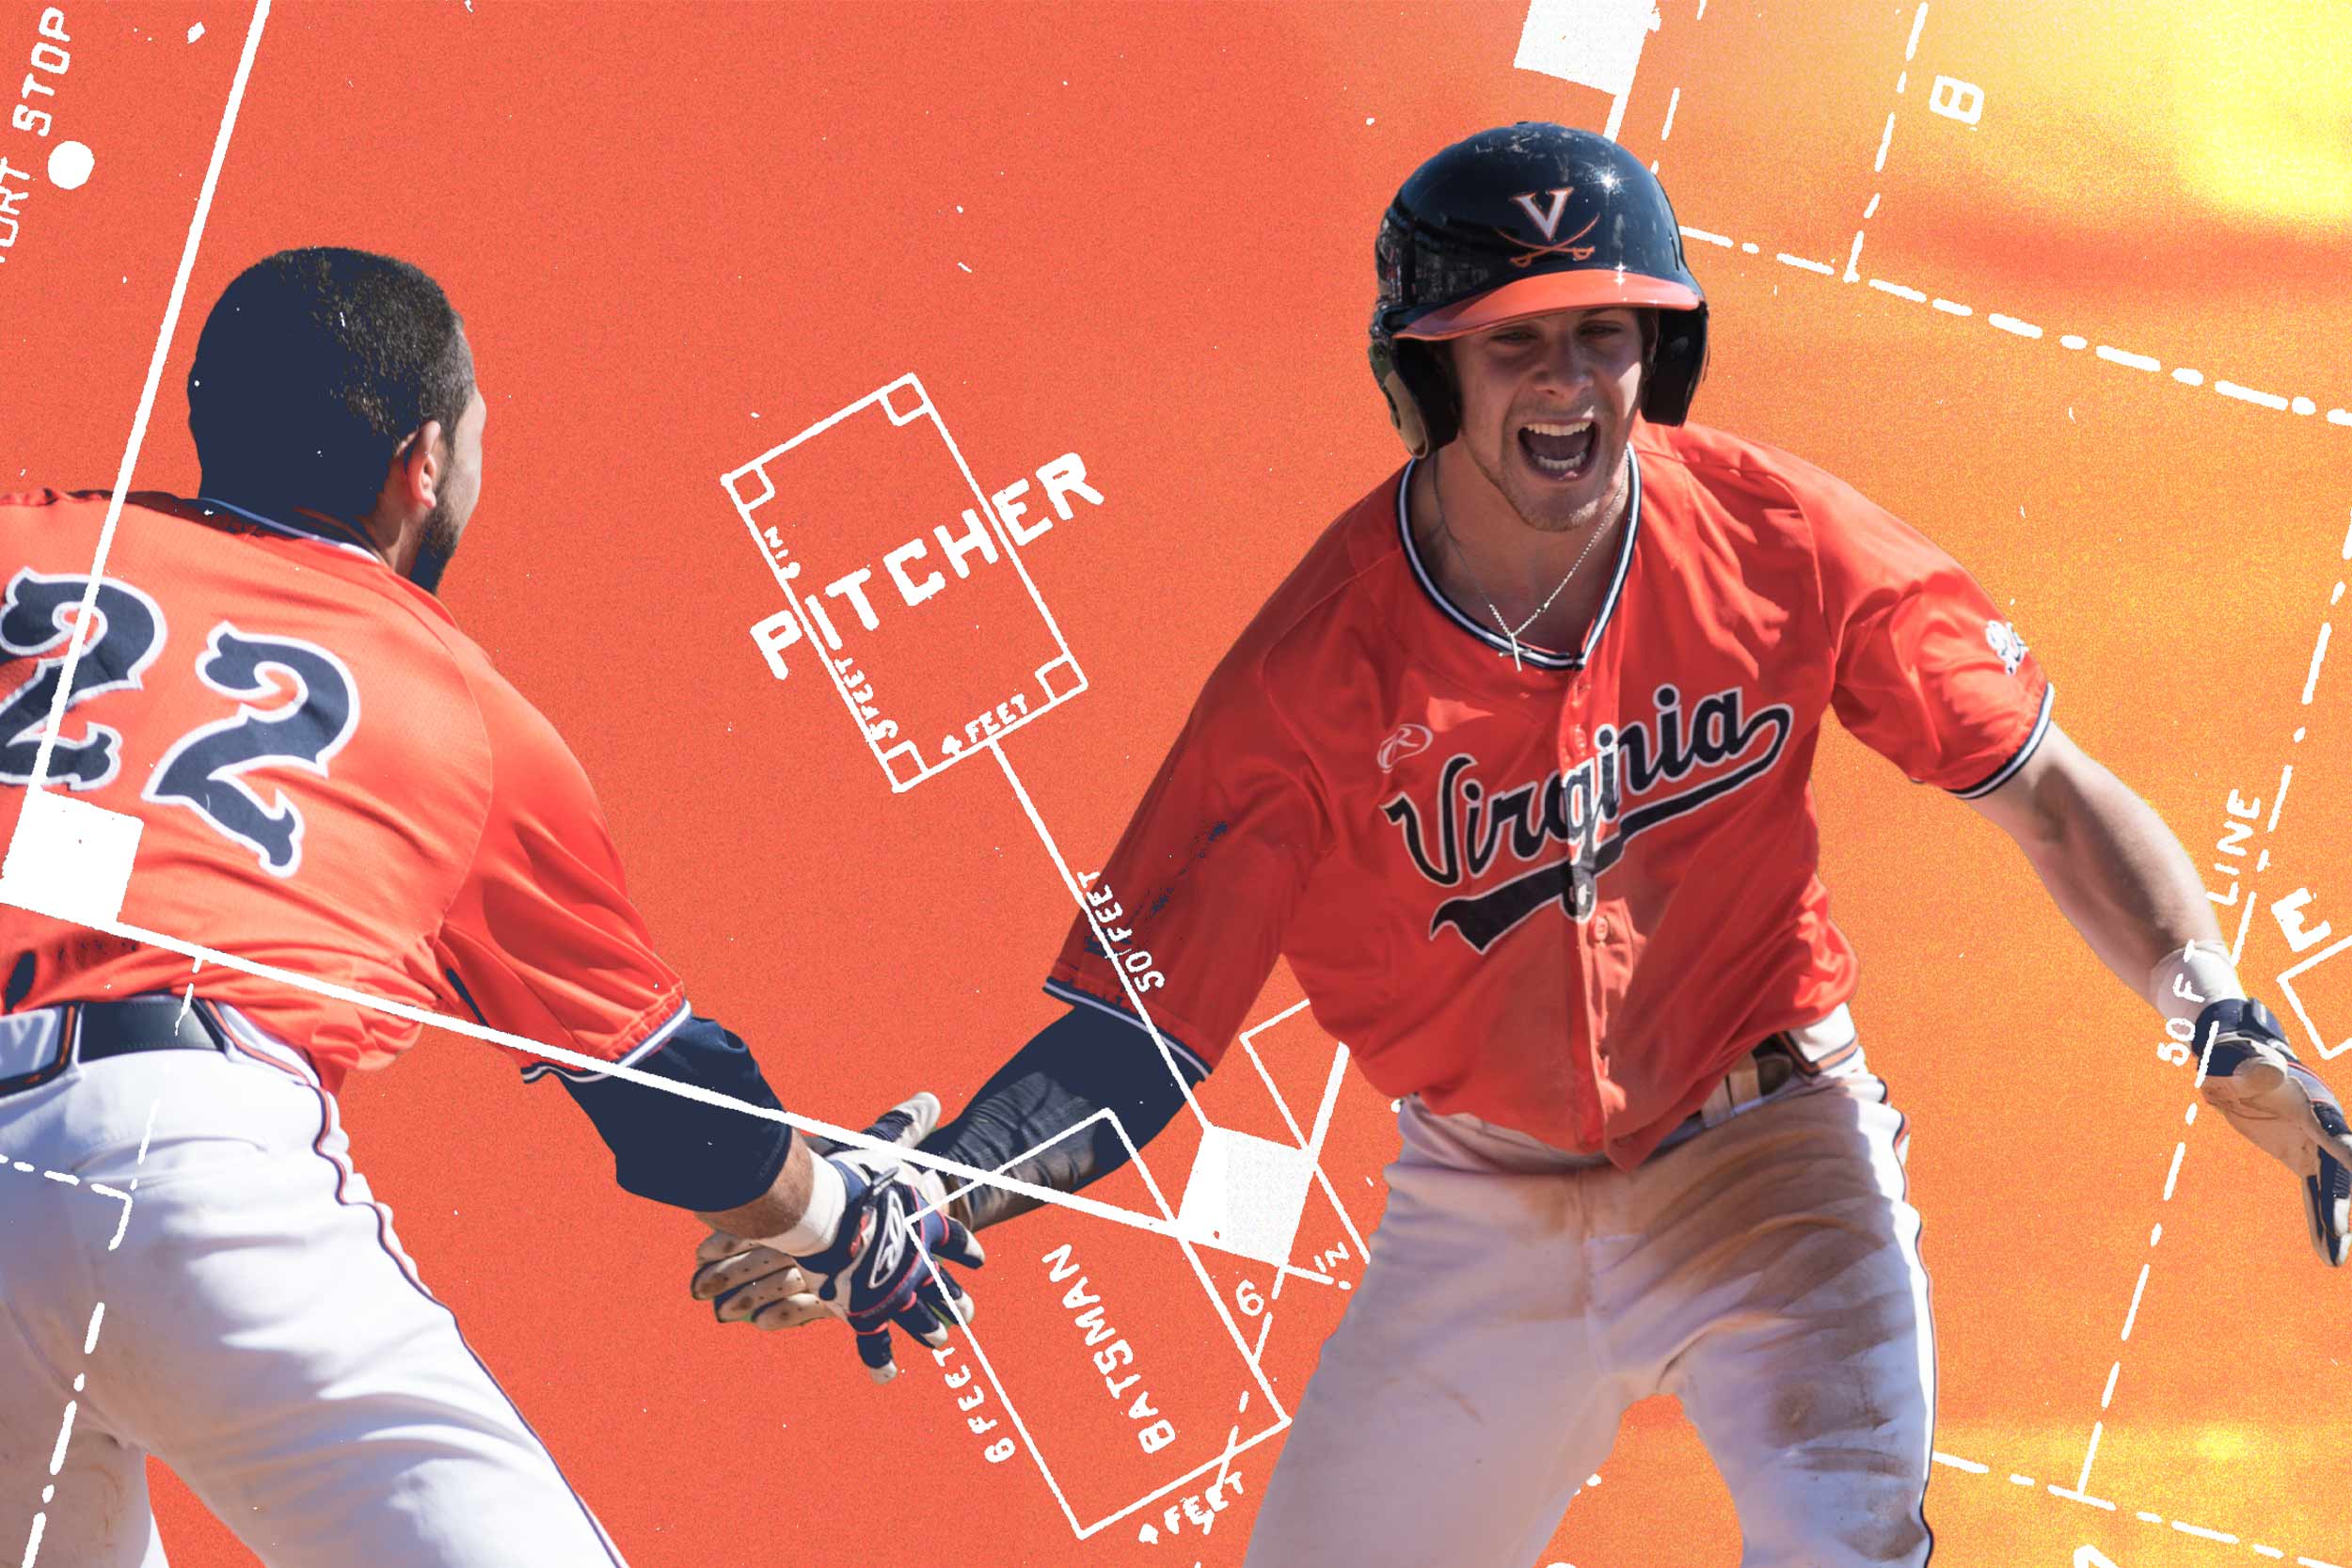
column 870, row 1275
column 2254, row 1079
column 748, row 1282
column 882, row 1268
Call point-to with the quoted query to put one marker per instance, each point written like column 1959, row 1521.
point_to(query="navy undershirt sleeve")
column 1083, row 1062
column 681, row 1151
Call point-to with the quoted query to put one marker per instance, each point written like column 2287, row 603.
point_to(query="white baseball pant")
column 261, row 1333
column 1764, row 1271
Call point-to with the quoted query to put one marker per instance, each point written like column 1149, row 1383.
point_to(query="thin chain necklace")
column 1509, row 631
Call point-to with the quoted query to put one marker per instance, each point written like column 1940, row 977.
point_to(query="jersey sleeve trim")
column 2033, row 741
column 533, row 1071
column 1063, row 991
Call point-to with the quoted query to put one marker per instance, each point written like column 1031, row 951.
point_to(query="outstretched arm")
column 2117, row 874
column 2120, row 877
column 1030, row 1121
column 1084, row 1062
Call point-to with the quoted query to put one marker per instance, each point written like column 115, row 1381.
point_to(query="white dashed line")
column 1808, row 266
column 2247, row 394
column 1899, row 290
column 2188, row 1528
column 2124, row 356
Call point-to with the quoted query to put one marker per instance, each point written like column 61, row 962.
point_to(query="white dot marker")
column 2304, row 406
column 196, row 32
column 69, row 164
column 2299, row 732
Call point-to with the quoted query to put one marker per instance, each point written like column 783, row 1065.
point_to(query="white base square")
column 1245, row 1194
column 69, row 860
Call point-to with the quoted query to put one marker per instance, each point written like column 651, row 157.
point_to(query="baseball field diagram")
column 1065, row 315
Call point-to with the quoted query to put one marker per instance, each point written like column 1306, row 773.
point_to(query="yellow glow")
column 2219, row 1445
column 2262, row 101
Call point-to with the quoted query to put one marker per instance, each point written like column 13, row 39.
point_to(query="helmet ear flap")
column 1420, row 396
column 1678, row 358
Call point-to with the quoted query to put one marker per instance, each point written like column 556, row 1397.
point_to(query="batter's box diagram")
column 1110, row 1362
column 2331, row 994
column 906, row 581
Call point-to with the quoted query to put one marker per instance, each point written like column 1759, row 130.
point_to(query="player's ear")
column 413, row 481
column 420, row 469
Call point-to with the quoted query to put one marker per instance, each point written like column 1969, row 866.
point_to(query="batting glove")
column 870, row 1275
column 2250, row 1077
column 746, row 1282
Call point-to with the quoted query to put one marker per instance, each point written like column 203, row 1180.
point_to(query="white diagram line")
column 1228, row 1464
column 2299, row 404
column 2145, row 1516
column 1216, row 1300
column 1027, row 1154
column 843, row 1135
column 1208, row 1286
column 1331, row 1098
column 1298, row 1137
column 1313, row 1145
column 1071, row 882
column 86, row 617
column 1255, row 1030
column 89, row 1344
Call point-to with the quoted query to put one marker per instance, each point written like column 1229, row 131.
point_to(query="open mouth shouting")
column 1561, row 452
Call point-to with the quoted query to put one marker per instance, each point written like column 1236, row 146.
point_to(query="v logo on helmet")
column 1549, row 220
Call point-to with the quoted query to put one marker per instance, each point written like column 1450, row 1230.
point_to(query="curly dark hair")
column 313, row 369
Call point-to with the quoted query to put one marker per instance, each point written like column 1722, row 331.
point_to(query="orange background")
column 680, row 235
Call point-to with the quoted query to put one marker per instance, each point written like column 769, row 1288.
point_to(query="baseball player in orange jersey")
column 1513, row 768
column 334, row 782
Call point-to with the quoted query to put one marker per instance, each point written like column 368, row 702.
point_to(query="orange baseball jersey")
column 333, row 780
column 1564, row 898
